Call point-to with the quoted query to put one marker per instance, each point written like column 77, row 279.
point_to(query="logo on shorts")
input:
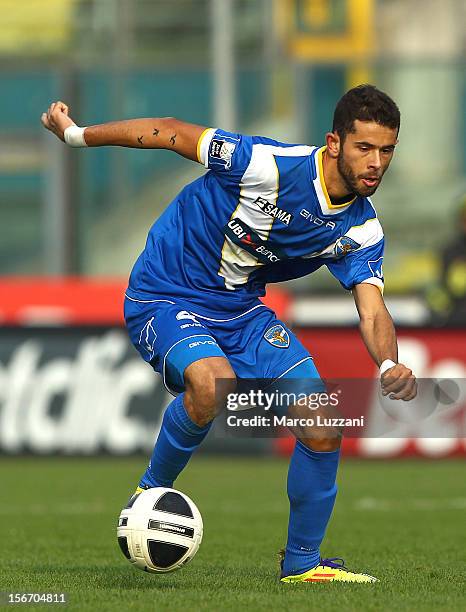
column 147, row 337
column 184, row 314
column 201, row 343
column 277, row 336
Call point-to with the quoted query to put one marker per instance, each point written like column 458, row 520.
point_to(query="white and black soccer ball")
column 160, row 530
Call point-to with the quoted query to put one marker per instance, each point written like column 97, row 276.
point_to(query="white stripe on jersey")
column 261, row 179
column 367, row 234
column 295, row 151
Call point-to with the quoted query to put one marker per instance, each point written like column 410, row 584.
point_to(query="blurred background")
column 75, row 395
column 273, row 67
column 72, row 222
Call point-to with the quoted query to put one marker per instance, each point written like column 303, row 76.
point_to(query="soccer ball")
column 160, row 530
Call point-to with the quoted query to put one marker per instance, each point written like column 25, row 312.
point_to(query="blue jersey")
column 261, row 214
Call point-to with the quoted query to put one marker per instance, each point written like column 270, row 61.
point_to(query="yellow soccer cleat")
column 134, row 496
column 329, row 570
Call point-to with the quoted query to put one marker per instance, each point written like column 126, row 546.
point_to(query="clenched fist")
column 399, row 383
column 56, row 119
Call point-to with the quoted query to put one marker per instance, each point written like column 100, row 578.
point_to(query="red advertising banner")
column 34, row 352
column 61, row 301
column 79, row 301
column 432, row 354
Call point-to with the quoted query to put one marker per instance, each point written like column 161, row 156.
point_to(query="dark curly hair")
column 365, row 103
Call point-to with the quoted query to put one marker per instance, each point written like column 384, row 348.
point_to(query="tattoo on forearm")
column 173, row 139
column 140, row 139
column 155, row 132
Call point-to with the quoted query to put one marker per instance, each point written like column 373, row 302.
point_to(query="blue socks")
column 311, row 491
column 178, row 438
column 311, row 483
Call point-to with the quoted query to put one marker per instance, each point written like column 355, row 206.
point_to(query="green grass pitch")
column 402, row 521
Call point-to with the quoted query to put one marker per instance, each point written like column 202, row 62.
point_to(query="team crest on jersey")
column 223, row 150
column 345, row 245
column 277, row 336
column 273, row 211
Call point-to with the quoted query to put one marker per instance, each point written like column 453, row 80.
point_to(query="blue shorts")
column 170, row 337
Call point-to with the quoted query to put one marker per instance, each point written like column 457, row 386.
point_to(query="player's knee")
column 208, row 382
column 323, row 444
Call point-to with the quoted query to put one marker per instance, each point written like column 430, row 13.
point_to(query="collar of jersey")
column 321, row 189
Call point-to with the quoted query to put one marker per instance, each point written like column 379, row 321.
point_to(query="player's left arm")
column 378, row 332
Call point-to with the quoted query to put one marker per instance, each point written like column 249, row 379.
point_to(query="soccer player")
column 264, row 212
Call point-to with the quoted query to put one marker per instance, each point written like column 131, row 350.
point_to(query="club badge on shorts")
column 277, row 336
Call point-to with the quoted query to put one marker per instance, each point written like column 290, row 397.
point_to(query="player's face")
column 365, row 156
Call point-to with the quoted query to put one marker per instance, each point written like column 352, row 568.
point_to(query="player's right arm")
column 157, row 133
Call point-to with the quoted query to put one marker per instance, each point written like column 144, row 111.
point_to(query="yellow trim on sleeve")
column 324, row 186
column 198, row 150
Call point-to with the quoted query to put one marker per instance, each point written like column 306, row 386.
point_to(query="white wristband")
column 74, row 136
column 386, row 365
